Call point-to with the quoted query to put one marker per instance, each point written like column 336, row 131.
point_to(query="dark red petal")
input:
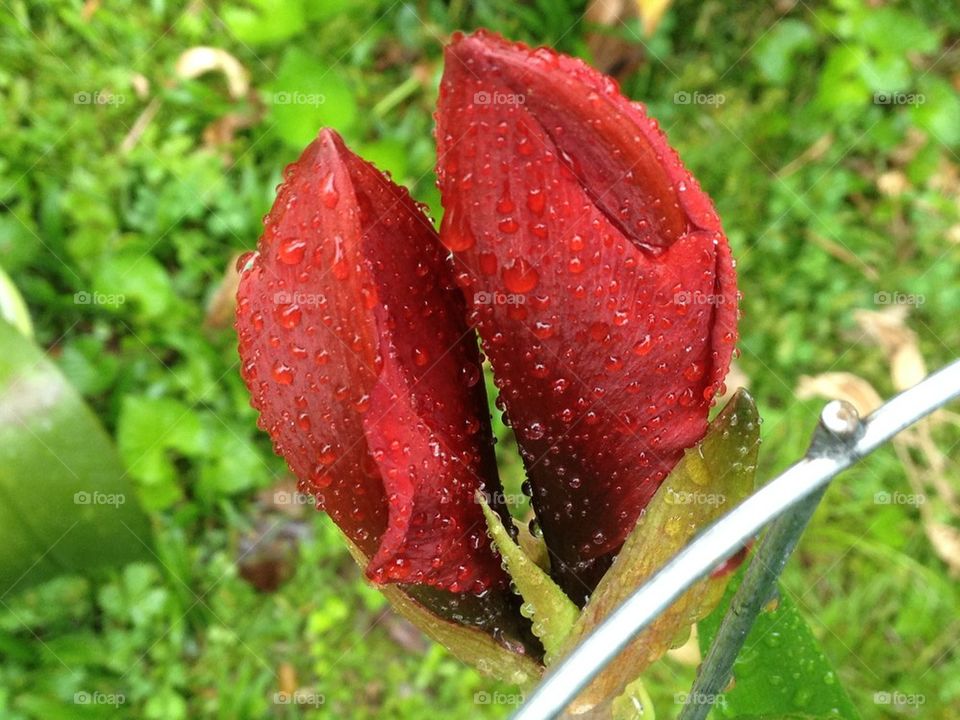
column 599, row 278
column 356, row 352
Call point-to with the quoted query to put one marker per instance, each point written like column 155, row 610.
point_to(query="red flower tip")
column 367, row 379
column 598, row 276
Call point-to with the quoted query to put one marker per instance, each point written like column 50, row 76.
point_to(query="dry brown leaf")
column 141, row 85
column 888, row 329
column 813, row 153
column 139, row 126
column 893, row 183
column 840, row 386
column 199, row 60
column 926, row 467
column 89, row 8
column 286, row 678
column 946, row 541
column 223, row 302
column 953, row 234
column 611, row 51
column 651, row 13
column 736, row 379
column 843, row 254
column 688, row 654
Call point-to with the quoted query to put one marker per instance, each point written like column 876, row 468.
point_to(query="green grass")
column 793, row 156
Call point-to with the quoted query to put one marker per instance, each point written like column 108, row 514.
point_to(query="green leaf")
column 12, row 307
column 634, row 704
column 66, row 504
column 937, row 111
column 775, row 52
column 472, row 646
column 549, row 609
column 268, row 21
column 308, row 95
column 781, row 670
column 893, row 32
column 710, row 479
column 125, row 278
column 149, row 431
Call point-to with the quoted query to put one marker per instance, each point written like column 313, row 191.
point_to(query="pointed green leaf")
column 549, row 609
column 12, row 307
column 634, row 704
column 710, row 479
column 66, row 504
column 470, row 645
column 781, row 671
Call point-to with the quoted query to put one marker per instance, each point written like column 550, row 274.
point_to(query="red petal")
column 600, row 280
column 356, row 353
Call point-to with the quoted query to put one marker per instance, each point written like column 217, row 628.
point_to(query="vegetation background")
column 828, row 134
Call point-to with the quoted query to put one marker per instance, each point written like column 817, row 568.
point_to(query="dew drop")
column 282, row 373
column 291, row 251
column 520, row 277
column 329, row 192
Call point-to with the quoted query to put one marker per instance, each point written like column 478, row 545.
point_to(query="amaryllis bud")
column 357, row 355
column 600, row 280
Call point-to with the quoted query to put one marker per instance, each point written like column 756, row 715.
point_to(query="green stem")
column 396, row 96
column 759, row 584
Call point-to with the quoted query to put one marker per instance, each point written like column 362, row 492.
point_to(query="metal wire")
column 831, row 452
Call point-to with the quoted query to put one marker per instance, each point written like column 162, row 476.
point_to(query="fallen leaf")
column 141, row 85
column 888, row 329
column 946, row 541
column 199, row 60
column 651, row 13
column 736, row 379
column 139, row 126
column 840, row 386
column 286, row 678
column 611, row 51
column 223, row 302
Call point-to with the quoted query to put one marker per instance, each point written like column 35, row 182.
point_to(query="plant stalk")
column 757, row 589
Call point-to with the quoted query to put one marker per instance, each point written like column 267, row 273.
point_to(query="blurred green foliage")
column 110, row 183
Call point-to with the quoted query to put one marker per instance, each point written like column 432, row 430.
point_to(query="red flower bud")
column 599, row 278
column 368, row 380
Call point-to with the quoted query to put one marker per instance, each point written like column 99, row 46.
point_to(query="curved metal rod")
column 831, row 452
